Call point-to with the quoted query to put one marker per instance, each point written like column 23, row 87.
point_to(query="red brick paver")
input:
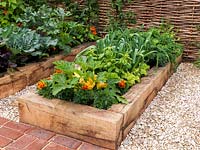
column 17, row 126
column 20, row 136
column 10, row 133
column 4, row 141
column 22, row 142
column 53, row 146
column 41, row 134
column 3, row 121
column 87, row 146
column 67, row 142
column 37, row 145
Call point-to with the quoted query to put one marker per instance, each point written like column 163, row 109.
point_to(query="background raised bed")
column 31, row 73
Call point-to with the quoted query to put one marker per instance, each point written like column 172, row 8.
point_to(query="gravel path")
column 171, row 122
column 8, row 105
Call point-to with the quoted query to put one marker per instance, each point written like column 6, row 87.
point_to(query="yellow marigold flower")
column 101, row 85
column 41, row 85
column 89, row 85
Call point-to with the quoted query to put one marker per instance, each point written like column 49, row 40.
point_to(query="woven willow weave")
column 183, row 14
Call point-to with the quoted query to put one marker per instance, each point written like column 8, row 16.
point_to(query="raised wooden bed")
column 31, row 73
column 106, row 128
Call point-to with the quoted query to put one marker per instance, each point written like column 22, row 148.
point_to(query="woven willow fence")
column 183, row 14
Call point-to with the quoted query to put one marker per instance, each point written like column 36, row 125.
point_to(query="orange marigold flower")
column 41, row 85
column 93, row 30
column 84, row 87
column 122, row 84
column 101, row 85
column 58, row 71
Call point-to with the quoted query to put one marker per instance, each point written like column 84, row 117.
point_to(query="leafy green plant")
column 102, row 73
column 44, row 19
column 156, row 46
column 86, row 14
column 197, row 62
column 81, row 85
column 10, row 11
column 57, row 23
column 119, row 18
column 35, row 3
column 165, row 47
column 24, row 43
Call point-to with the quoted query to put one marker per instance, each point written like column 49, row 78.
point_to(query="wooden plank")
column 6, row 86
column 19, row 81
column 71, row 119
column 138, row 101
column 127, row 129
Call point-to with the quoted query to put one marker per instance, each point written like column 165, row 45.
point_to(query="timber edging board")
column 33, row 72
column 105, row 128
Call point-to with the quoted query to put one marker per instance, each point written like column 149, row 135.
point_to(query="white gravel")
column 8, row 105
column 171, row 122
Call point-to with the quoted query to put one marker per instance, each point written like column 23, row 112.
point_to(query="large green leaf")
column 67, row 67
column 59, row 83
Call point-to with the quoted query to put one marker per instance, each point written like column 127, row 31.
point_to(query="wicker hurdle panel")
column 183, row 14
